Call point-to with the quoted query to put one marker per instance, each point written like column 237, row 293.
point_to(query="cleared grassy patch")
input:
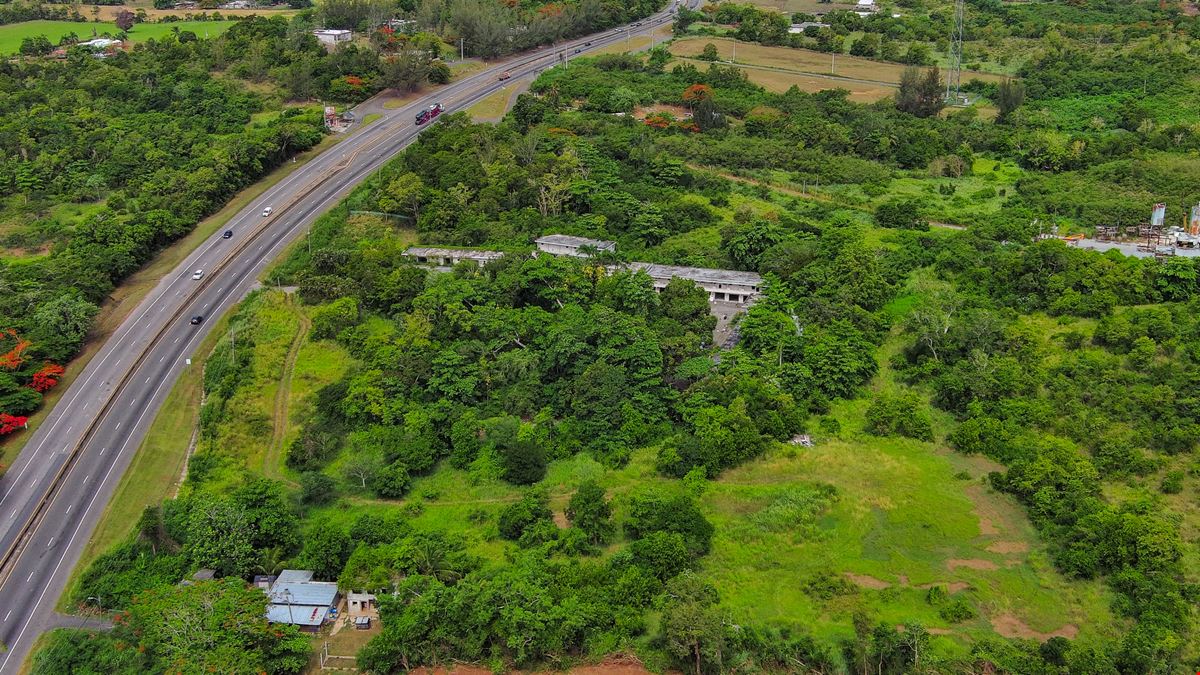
column 395, row 102
column 493, row 106
column 109, row 12
column 908, row 515
column 12, row 34
column 634, row 43
column 808, row 6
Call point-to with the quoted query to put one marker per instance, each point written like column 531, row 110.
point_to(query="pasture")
column 12, row 34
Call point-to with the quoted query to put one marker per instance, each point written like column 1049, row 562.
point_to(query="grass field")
column 493, row 106
column 809, row 6
column 12, row 34
column 109, row 12
column 980, row 193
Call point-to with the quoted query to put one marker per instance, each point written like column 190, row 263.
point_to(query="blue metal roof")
column 321, row 593
column 299, row 615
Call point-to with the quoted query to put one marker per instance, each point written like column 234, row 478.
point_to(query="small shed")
column 360, row 605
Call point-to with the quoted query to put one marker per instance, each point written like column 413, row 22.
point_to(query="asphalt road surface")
column 53, row 495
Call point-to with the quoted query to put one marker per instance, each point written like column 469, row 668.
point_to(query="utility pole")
column 462, row 51
column 832, row 62
column 954, row 77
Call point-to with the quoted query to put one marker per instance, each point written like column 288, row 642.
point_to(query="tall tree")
column 589, row 511
column 1010, row 94
column 921, row 94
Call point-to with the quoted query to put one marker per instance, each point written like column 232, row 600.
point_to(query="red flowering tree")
column 659, row 120
column 697, row 93
column 10, row 423
column 13, row 345
column 46, row 378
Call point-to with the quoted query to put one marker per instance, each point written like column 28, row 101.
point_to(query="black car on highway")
column 197, row 319
column 228, row 234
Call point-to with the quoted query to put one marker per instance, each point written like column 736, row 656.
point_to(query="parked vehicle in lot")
column 429, row 113
column 228, row 234
column 197, row 319
column 267, row 211
column 198, row 274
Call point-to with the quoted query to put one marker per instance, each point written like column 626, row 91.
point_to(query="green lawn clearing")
column 12, row 34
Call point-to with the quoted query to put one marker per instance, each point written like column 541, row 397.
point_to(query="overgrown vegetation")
column 542, row 460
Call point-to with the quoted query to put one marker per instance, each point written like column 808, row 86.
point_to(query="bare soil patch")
column 1006, row 547
column 971, row 563
column 994, row 519
column 677, row 111
column 867, row 581
column 1010, row 626
column 986, row 527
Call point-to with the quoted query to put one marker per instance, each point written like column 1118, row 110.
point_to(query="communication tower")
column 954, row 76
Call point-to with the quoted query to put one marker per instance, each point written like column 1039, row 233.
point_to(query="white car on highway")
column 198, row 275
column 267, row 211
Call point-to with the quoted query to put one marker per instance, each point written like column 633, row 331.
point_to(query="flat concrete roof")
column 701, row 274
column 576, row 242
column 429, row 252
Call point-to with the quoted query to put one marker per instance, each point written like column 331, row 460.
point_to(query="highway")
column 54, row 493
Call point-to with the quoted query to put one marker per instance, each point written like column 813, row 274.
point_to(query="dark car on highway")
column 196, row 320
column 228, row 234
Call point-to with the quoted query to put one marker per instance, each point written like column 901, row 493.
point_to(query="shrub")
column 316, row 488
column 1172, row 483
column 900, row 214
column 533, row 507
column 901, row 414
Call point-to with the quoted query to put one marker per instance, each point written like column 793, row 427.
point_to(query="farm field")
column 804, row 60
column 12, row 34
column 779, row 81
column 109, row 12
column 809, row 6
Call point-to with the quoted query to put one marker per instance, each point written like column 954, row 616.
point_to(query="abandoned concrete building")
column 579, row 247
column 449, row 257
column 727, row 287
column 722, row 285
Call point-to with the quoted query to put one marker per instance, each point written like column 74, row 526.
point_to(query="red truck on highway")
column 429, row 113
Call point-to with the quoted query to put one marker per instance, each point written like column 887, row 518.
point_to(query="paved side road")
column 77, row 456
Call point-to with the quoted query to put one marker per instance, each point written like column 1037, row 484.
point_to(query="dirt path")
column 272, row 458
